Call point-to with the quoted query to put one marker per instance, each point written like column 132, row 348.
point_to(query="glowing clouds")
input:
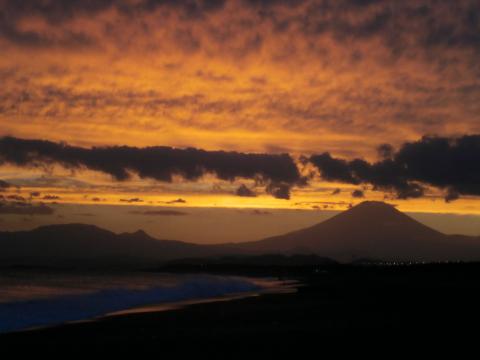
column 236, row 91
column 239, row 75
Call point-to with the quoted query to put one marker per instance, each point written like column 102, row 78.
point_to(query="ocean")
column 31, row 299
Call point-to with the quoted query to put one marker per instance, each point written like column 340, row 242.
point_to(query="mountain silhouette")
column 89, row 245
column 370, row 230
column 375, row 230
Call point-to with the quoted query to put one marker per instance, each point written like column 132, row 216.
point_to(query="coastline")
column 255, row 287
column 347, row 303
column 288, row 286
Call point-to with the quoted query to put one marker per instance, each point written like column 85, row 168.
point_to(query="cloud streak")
column 159, row 163
column 245, row 191
column 20, row 208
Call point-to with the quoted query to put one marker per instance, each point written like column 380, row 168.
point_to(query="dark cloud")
column 97, row 199
column 24, row 209
column 336, row 191
column 132, row 200
column 35, row 194
column 159, row 213
column 12, row 13
column 334, row 169
column 244, row 191
column 4, row 185
column 401, row 25
column 279, row 190
column 176, row 201
column 160, row 163
column 323, row 203
column 445, row 163
column 446, row 32
column 409, row 190
column 358, row 194
column 51, row 197
column 68, row 39
column 55, row 11
column 51, row 181
column 58, row 12
column 451, row 195
column 385, row 151
column 383, row 175
column 16, row 198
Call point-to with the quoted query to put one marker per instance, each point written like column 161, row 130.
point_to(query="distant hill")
column 375, row 230
column 88, row 245
column 370, row 230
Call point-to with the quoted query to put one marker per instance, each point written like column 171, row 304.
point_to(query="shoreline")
column 343, row 303
column 290, row 287
column 266, row 286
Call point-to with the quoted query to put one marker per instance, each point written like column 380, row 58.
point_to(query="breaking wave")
column 20, row 315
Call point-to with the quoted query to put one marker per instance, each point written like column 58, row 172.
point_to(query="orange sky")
column 297, row 77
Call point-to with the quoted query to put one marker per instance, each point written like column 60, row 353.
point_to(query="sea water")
column 30, row 299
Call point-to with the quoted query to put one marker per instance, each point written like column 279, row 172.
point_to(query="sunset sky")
column 162, row 114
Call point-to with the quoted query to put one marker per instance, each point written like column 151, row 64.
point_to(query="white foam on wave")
column 15, row 316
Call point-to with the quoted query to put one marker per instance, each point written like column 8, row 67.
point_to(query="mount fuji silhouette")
column 374, row 230
column 370, row 230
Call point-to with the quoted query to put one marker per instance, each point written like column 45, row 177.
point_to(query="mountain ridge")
column 368, row 230
column 79, row 244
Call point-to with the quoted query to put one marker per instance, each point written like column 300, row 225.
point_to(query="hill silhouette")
column 89, row 245
column 370, row 230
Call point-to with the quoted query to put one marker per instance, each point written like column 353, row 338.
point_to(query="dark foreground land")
column 373, row 303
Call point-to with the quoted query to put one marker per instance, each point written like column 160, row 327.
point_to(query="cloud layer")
column 449, row 164
column 452, row 164
column 278, row 172
column 240, row 75
column 257, row 79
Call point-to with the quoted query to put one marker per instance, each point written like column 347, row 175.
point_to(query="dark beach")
column 342, row 302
